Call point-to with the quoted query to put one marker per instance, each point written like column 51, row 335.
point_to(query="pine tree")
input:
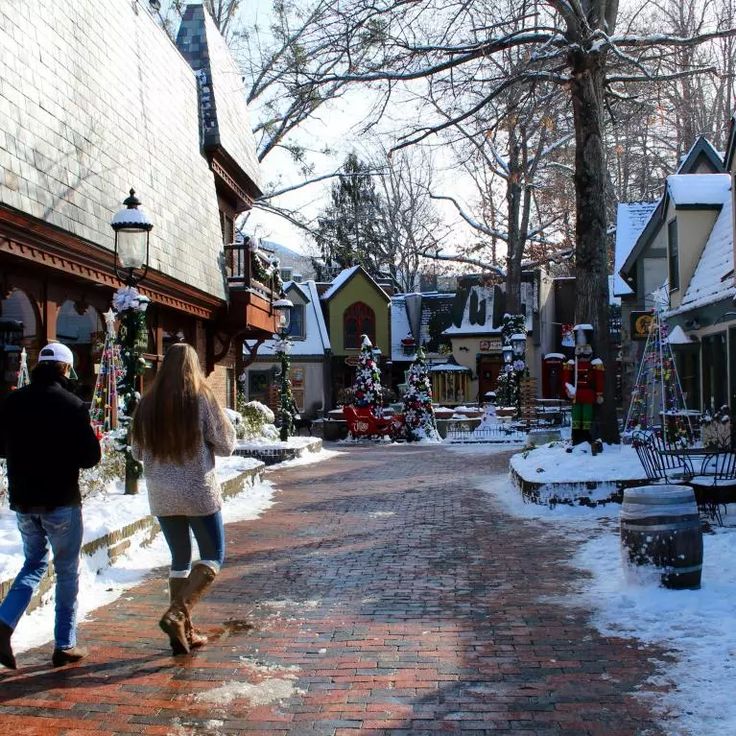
column 367, row 386
column 349, row 231
column 418, row 412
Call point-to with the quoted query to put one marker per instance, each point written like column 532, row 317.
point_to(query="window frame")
column 364, row 318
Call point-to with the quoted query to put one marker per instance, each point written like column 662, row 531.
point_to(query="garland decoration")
column 131, row 307
column 287, row 407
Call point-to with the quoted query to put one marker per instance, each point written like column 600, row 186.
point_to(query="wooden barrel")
column 660, row 526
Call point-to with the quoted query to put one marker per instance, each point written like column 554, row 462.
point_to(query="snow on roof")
column 678, row 336
column 449, row 368
column 316, row 340
column 713, row 279
column 705, row 189
column 339, row 280
column 631, row 219
column 468, row 326
column 400, row 328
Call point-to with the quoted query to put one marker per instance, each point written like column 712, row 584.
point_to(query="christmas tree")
column 509, row 380
column 657, row 398
column 104, row 408
column 419, row 417
column 367, row 386
column 23, row 377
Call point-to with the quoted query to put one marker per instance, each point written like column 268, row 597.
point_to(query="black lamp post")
column 282, row 309
column 518, row 347
column 132, row 234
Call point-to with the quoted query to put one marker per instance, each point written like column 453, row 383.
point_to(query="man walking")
column 46, row 437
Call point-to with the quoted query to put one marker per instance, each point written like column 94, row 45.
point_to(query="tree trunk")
column 591, row 256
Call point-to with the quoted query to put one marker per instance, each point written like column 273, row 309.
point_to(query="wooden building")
column 91, row 104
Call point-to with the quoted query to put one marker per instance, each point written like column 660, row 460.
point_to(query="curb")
column 271, row 456
column 570, row 493
column 119, row 540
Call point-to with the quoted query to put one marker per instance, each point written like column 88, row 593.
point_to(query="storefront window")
column 714, row 370
column 79, row 326
column 17, row 331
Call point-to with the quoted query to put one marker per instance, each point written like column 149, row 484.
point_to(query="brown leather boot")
column 195, row 639
column 7, row 658
column 174, row 621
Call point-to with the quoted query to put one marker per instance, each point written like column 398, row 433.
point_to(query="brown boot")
column 194, row 638
column 7, row 658
column 174, row 621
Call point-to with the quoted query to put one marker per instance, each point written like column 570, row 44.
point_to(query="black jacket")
column 46, row 437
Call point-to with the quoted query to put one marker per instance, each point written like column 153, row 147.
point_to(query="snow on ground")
column 101, row 583
column 697, row 626
column 551, row 464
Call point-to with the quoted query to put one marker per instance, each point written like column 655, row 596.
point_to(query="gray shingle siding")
column 94, row 100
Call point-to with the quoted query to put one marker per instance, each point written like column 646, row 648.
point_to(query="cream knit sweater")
column 190, row 488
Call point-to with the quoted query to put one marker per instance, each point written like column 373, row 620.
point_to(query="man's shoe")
column 7, row 659
column 61, row 657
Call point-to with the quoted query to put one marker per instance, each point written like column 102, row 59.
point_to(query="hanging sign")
column 351, row 360
column 640, row 325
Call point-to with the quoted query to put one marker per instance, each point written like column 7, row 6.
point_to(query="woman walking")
column 178, row 428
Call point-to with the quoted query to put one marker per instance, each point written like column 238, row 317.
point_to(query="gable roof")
column 713, row 278
column 701, row 148
column 225, row 121
column 316, row 341
column 345, row 276
column 631, row 219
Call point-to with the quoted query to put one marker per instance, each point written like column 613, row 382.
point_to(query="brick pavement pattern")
column 381, row 594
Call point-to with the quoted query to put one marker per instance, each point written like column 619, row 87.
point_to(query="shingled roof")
column 224, row 118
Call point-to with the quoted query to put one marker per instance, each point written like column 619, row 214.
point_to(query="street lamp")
column 508, row 353
column 132, row 234
column 282, row 310
column 518, row 343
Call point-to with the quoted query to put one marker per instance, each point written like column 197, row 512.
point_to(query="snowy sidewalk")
column 383, row 593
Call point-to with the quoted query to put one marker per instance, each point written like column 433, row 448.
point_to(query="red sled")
column 363, row 423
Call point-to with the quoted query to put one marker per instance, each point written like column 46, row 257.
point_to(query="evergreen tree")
column 350, row 229
column 418, row 412
column 367, row 386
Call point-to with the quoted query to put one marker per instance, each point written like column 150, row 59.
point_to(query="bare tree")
column 573, row 43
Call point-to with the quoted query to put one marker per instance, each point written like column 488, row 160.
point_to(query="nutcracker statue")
column 583, row 379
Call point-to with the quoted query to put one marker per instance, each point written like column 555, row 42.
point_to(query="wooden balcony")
column 252, row 292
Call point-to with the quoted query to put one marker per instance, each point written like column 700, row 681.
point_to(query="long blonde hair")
column 166, row 421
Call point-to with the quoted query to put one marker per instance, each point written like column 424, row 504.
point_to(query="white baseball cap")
column 57, row 352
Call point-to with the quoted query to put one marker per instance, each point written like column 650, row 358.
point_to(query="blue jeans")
column 62, row 529
column 209, row 533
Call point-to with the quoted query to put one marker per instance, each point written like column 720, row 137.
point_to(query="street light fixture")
column 282, row 309
column 132, row 235
column 518, row 343
column 508, row 353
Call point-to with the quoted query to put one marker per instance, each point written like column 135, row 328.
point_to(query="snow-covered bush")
column 257, row 421
column 110, row 468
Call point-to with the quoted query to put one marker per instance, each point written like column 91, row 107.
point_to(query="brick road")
column 382, row 594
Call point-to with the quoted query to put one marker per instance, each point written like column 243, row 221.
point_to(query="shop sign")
column 492, row 345
column 351, row 360
column 640, row 325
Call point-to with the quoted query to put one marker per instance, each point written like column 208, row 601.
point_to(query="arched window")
column 358, row 319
